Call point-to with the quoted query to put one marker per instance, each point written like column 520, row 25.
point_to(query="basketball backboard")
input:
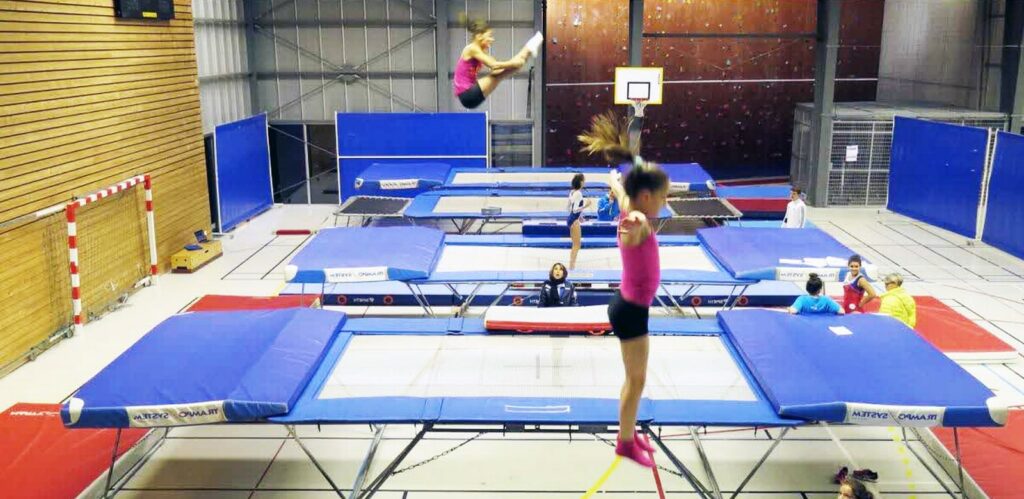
column 633, row 84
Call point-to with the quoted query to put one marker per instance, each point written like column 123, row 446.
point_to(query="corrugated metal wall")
column 221, row 54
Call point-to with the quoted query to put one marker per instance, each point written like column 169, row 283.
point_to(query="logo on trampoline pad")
column 168, row 415
column 893, row 415
column 356, row 274
column 405, row 183
column 799, row 274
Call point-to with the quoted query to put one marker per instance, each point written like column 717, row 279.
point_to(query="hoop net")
column 638, row 106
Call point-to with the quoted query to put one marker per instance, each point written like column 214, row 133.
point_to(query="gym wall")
column 88, row 100
column 732, row 129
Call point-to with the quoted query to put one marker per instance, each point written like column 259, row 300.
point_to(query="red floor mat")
column 994, row 457
column 212, row 303
column 39, row 457
column 953, row 333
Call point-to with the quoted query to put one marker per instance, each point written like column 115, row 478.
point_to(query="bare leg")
column 576, row 234
column 634, row 359
column 490, row 82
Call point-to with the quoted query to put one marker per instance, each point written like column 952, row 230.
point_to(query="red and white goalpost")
column 71, row 210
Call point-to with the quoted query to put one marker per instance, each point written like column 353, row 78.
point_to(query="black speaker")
column 144, row 9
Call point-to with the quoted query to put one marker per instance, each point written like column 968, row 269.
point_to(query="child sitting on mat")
column 472, row 91
column 813, row 302
column 557, row 291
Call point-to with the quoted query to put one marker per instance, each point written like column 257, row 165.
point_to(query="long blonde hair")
column 607, row 135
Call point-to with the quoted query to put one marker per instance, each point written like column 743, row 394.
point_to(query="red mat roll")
column 952, row 333
column 39, row 457
column 213, row 303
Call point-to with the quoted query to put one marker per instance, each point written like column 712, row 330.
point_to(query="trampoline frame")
column 464, row 224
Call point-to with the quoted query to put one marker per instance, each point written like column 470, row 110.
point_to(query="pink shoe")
column 631, row 450
column 641, row 440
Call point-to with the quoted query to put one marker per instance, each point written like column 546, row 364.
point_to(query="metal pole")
column 826, row 50
column 442, row 57
column 1012, row 98
column 364, row 468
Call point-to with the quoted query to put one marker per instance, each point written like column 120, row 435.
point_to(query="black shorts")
column 472, row 96
column 628, row 320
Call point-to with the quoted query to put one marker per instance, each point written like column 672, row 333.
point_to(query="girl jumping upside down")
column 641, row 195
column 472, row 91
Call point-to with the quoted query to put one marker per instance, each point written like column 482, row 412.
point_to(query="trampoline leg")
column 295, row 436
column 932, row 472
column 672, row 299
column 757, row 467
column 386, row 473
column 500, row 296
column 417, row 295
column 364, row 468
column 113, row 461
column 959, row 461
column 469, row 300
column 707, row 464
column 694, row 482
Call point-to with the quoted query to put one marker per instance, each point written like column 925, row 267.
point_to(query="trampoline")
column 467, row 208
column 421, row 256
column 306, row 366
column 766, row 202
column 410, row 179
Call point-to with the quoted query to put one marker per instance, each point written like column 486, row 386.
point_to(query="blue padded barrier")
column 1004, row 220
column 459, row 139
column 936, row 172
column 242, row 171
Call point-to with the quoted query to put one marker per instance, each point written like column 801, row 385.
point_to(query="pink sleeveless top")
column 465, row 74
column 641, row 271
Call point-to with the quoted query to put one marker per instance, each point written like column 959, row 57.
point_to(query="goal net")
column 111, row 246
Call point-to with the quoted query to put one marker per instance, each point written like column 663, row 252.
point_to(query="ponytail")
column 607, row 135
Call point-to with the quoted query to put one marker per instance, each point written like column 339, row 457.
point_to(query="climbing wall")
column 734, row 72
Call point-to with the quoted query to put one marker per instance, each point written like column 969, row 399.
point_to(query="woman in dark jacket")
column 557, row 291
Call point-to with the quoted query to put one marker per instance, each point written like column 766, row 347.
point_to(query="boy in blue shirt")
column 608, row 208
column 813, row 302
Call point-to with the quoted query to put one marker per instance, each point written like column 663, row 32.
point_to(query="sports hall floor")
column 982, row 283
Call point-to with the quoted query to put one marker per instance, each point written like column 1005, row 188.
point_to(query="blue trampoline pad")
column 860, row 369
column 208, row 367
column 781, row 254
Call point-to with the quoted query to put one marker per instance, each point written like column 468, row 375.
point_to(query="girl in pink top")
column 472, row 91
column 641, row 196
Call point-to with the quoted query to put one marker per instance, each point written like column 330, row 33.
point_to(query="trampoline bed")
column 303, row 366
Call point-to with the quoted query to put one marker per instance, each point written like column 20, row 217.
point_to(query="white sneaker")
column 533, row 45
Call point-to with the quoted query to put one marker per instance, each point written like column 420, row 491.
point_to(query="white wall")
column 221, row 55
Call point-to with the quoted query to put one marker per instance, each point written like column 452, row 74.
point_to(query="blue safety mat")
column 776, row 253
column 359, row 254
column 754, row 191
column 935, row 173
column 459, row 139
column 595, row 178
column 1004, row 218
column 401, row 179
column 208, row 367
column 683, row 176
column 860, row 369
column 242, row 171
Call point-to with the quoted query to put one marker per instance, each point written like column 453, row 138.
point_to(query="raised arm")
column 489, row 60
column 616, row 187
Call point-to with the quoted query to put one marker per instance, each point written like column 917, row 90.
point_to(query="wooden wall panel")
column 733, row 129
column 87, row 100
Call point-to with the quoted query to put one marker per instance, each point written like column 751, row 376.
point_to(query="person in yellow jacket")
column 897, row 303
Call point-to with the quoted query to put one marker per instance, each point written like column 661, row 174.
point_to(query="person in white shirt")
column 796, row 211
